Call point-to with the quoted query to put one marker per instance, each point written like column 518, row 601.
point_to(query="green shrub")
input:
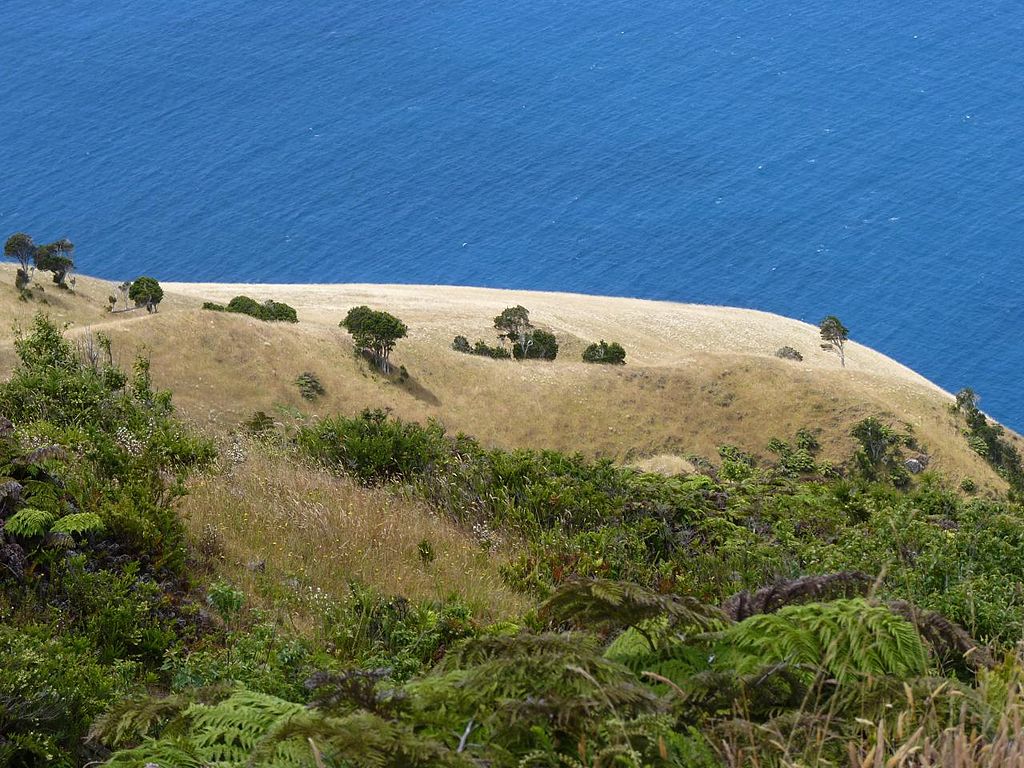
column 374, row 447
column 544, row 346
column 51, row 689
column 498, row 353
column 461, row 344
column 602, row 352
column 268, row 311
column 309, row 385
column 788, row 353
column 146, row 292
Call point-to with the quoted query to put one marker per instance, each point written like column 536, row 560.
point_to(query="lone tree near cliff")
column 514, row 324
column 375, row 331
column 835, row 334
column 146, row 292
column 55, row 257
column 22, row 248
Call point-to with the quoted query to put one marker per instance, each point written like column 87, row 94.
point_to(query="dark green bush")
column 52, row 687
column 461, row 344
column 309, row 385
column 374, row 447
column 603, row 352
column 269, row 311
column 498, row 353
column 544, row 346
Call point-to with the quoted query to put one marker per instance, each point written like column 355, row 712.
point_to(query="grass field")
column 696, row 377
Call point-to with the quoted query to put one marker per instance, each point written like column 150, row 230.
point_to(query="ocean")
column 859, row 158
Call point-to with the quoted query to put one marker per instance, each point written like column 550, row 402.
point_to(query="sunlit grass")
column 274, row 519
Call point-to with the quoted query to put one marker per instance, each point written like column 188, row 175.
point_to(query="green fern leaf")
column 79, row 523
column 29, row 522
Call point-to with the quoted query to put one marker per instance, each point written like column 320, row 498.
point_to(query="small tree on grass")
column 543, row 346
column 22, row 249
column 375, row 331
column 146, row 292
column 604, row 352
column 835, row 334
column 55, row 257
column 514, row 324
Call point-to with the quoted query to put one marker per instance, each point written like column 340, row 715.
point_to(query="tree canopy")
column 610, row 353
column 22, row 248
column 835, row 334
column 375, row 331
column 55, row 257
column 146, row 292
column 514, row 324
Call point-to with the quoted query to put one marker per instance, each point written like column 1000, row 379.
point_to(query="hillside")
column 354, row 589
column 697, row 377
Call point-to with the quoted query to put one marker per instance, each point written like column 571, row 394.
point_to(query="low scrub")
column 268, row 311
column 605, row 352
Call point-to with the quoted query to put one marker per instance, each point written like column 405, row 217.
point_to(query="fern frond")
column 29, row 522
column 845, row 584
column 44, row 453
column 78, row 523
column 232, row 729
column 948, row 641
column 134, row 718
column 849, row 638
column 360, row 738
column 610, row 604
column 166, row 753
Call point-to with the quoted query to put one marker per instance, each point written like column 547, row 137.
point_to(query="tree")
column 835, row 334
column 55, row 257
column 21, row 247
column 146, row 292
column 611, row 353
column 123, row 289
column 375, row 331
column 543, row 346
column 514, row 324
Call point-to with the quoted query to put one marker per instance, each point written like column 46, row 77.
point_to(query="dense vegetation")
column 776, row 613
column 268, row 311
column 525, row 341
column 605, row 352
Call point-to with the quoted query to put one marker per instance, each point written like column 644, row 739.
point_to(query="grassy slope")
column 697, row 377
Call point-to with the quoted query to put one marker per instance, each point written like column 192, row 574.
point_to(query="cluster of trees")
column 268, row 311
column 526, row 342
column 55, row 257
column 142, row 291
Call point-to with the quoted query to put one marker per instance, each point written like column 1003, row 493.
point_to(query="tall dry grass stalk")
column 273, row 518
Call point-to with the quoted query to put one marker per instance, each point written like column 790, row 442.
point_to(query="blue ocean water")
column 856, row 157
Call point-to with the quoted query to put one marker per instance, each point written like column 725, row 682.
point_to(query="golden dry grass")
column 322, row 532
column 697, row 377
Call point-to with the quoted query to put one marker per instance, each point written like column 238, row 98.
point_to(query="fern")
column 226, row 733
column 78, row 523
column 360, row 738
column 805, row 589
column 949, row 642
column 848, row 638
column 610, row 604
column 29, row 522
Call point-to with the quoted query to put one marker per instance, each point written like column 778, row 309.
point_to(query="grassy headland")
column 352, row 579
